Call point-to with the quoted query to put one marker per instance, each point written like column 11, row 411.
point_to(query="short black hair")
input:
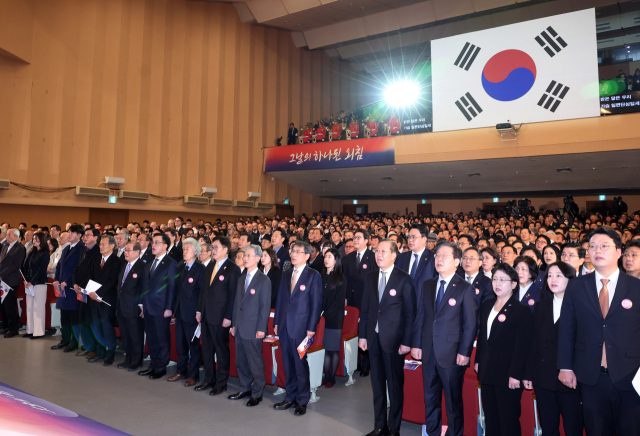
column 469, row 238
column 532, row 249
column 607, row 231
column 224, row 241
column 632, row 243
column 94, row 232
column 567, row 270
column 581, row 251
column 363, row 232
column 533, row 266
column 457, row 252
column 55, row 226
column 77, row 228
column 508, row 270
column 165, row 238
column 422, row 229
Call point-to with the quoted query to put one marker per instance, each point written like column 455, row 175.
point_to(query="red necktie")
column 102, row 263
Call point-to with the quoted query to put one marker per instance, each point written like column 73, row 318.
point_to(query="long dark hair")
column 338, row 276
column 42, row 240
column 274, row 259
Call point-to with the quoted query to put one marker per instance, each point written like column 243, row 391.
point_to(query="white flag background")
column 562, row 50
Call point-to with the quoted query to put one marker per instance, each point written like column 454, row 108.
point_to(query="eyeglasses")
column 384, row 252
column 129, row 251
column 603, row 247
column 633, row 256
column 358, row 238
column 157, row 243
column 568, row 256
column 297, row 251
column 412, row 237
column 499, row 280
column 443, row 256
column 469, row 259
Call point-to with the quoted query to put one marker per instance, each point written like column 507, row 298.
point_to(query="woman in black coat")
column 554, row 398
column 35, row 274
column 503, row 346
column 334, row 287
column 269, row 266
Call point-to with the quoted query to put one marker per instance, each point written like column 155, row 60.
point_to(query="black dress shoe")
column 11, row 334
column 36, row 337
column 133, row 368
column 69, row 348
column 239, row 395
column 108, row 361
column 27, row 335
column 144, row 372
column 284, row 405
column 95, row 359
column 254, row 402
column 217, row 390
column 4, row 331
column 123, row 365
column 157, row 375
column 380, row 432
column 300, row 410
column 60, row 345
column 364, row 373
column 202, row 387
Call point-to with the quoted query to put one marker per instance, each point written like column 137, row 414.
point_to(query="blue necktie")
column 126, row 273
column 440, row 294
column 247, row 281
column 415, row 266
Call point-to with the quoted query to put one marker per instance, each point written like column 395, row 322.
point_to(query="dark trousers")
column 132, row 334
column 189, row 354
column 105, row 334
column 553, row 404
column 437, row 378
column 85, row 320
column 68, row 324
column 215, row 342
column 501, row 410
column 296, row 370
column 250, row 365
column 9, row 312
column 609, row 411
column 291, row 140
column 159, row 340
column 387, row 369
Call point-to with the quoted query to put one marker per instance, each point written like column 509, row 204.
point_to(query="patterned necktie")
column 294, row 279
column 440, row 293
column 604, row 306
column 102, row 263
column 213, row 274
column 382, row 284
column 358, row 260
column 153, row 265
column 469, row 279
column 414, row 267
column 126, row 272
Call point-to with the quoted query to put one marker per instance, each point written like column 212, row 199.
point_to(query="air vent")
column 241, row 203
column 563, row 170
column 195, row 199
column 134, row 195
column 474, row 175
column 388, row 179
column 4, row 184
column 87, row 191
column 260, row 205
column 220, row 202
column 324, row 181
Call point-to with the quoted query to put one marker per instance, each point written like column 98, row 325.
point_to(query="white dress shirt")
column 299, row 269
column 492, row 316
column 413, row 257
column 557, row 307
column 523, row 291
column 611, row 286
column 473, row 277
column 446, row 284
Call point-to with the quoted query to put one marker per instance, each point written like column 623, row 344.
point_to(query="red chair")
column 268, row 354
column 350, row 340
column 173, row 352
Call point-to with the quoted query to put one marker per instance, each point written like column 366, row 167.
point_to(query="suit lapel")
column 301, row 279
column 449, row 290
column 422, row 261
column 592, row 292
column 391, row 284
column 431, row 297
column 252, row 285
column 618, row 296
column 507, row 311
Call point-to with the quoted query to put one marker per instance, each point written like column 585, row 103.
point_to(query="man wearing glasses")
column 298, row 310
column 482, row 287
column 598, row 340
column 445, row 328
column 573, row 254
column 418, row 262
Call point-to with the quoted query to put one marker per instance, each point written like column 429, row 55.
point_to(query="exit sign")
column 113, row 199
column 355, row 201
column 496, row 199
column 603, row 197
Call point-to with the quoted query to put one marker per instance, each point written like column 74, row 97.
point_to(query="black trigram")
column 550, row 99
column 468, row 105
column 554, row 41
column 467, row 56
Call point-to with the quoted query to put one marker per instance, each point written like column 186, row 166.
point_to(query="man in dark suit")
column 250, row 319
column 130, row 289
column 173, row 251
column 298, row 310
column 11, row 259
column 418, row 262
column 356, row 266
column 292, row 135
column 157, row 305
column 63, row 281
column 386, row 330
column 482, row 287
column 180, row 229
column 445, row 329
column 214, row 313
column 146, row 256
column 598, row 341
column 188, row 283
column 104, row 270
column 278, row 241
column 80, row 280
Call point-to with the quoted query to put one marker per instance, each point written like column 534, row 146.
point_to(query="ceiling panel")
column 293, row 6
column 265, row 10
column 415, row 15
column 445, row 9
column 483, row 5
column 382, row 22
column 398, row 3
column 359, row 7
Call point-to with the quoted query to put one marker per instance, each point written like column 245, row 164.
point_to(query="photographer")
column 570, row 207
column 619, row 206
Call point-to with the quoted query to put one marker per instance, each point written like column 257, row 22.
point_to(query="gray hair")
column 206, row 246
column 195, row 245
column 124, row 232
column 15, row 232
column 110, row 239
column 306, row 247
column 257, row 250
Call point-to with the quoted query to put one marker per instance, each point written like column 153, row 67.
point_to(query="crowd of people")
column 551, row 299
column 628, row 83
column 344, row 126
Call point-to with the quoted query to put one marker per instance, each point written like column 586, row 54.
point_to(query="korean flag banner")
column 539, row 70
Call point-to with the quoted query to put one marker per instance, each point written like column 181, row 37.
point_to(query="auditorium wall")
column 172, row 95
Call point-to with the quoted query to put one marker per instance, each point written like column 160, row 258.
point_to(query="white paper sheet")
column 197, row 332
column 92, row 286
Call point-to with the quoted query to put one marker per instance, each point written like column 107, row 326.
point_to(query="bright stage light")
column 401, row 94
